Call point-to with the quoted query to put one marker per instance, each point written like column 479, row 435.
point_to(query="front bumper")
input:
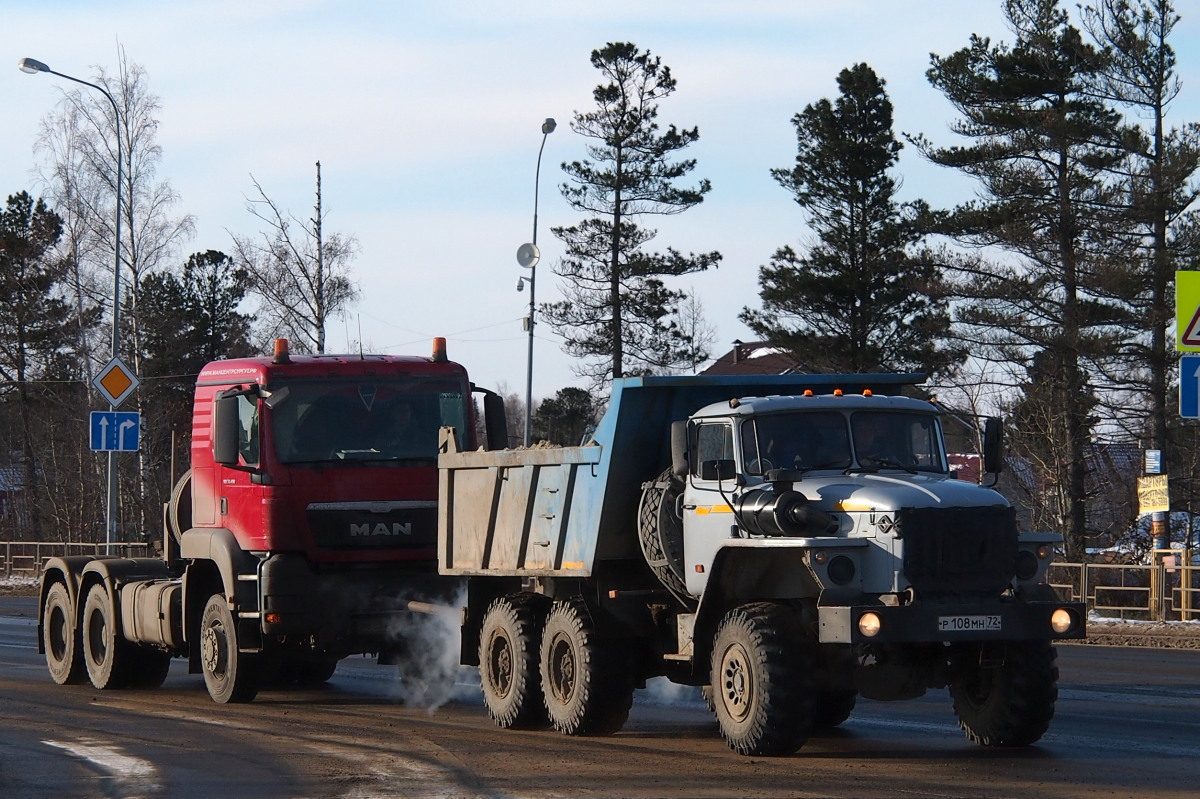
column 930, row 622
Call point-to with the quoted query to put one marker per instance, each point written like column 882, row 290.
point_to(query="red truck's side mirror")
column 225, row 430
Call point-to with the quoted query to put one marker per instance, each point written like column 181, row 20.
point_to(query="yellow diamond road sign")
column 115, row 382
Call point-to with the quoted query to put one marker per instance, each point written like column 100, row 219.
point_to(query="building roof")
column 753, row 358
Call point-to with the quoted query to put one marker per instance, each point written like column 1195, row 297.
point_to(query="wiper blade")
column 881, row 463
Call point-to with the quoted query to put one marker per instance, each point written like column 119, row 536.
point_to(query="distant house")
column 754, row 358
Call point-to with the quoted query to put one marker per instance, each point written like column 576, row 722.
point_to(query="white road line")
column 132, row 778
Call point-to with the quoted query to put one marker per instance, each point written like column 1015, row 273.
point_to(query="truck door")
column 707, row 515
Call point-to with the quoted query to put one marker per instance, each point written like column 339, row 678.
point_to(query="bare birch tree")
column 301, row 277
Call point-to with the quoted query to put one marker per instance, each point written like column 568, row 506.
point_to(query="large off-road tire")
column 509, row 650
column 1010, row 704
column 229, row 675
column 763, row 680
column 660, row 532
column 586, row 682
column 105, row 652
column 60, row 638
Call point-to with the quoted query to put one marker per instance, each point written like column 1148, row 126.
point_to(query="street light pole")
column 33, row 66
column 529, row 260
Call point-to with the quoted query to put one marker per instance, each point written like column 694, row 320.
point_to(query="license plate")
column 962, row 624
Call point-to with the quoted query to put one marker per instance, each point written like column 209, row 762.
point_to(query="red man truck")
column 303, row 530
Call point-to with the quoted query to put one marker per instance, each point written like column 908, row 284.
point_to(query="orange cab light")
column 867, row 392
column 837, row 392
column 281, row 351
column 439, row 350
column 808, row 392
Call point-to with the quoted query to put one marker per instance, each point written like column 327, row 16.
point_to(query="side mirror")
column 679, row 449
column 225, row 430
column 495, row 423
column 993, row 445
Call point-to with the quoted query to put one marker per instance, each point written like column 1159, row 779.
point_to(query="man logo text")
column 396, row 528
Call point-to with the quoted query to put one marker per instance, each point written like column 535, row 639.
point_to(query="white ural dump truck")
column 789, row 542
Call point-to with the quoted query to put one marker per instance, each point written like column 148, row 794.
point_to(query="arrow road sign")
column 115, row 431
column 1189, row 386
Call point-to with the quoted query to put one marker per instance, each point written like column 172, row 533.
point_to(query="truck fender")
column 219, row 547
column 742, row 574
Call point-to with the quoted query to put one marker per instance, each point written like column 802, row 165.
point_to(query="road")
column 1127, row 725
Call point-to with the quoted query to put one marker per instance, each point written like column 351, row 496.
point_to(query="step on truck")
column 302, row 533
column 788, row 542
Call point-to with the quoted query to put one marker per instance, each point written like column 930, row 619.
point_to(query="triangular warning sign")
column 1190, row 337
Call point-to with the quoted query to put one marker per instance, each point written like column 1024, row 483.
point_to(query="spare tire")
column 660, row 532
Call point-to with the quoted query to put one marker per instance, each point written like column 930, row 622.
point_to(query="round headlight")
column 869, row 624
column 1027, row 565
column 1062, row 620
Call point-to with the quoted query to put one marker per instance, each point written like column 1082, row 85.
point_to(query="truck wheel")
column 105, row 652
column 587, row 686
column 1010, row 704
column 60, row 638
column 762, row 678
column 230, row 676
column 509, row 644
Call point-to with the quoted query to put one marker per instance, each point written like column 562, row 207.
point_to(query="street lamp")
column 527, row 256
column 33, row 66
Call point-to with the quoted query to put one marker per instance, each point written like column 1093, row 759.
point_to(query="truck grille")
column 374, row 525
column 959, row 552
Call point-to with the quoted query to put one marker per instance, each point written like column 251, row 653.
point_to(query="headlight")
column 869, row 624
column 1062, row 620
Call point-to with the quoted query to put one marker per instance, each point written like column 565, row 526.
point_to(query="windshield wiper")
column 878, row 464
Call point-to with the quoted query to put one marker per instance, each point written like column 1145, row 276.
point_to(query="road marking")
column 132, row 778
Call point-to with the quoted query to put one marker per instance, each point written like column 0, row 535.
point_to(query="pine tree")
column 1041, row 145
column 858, row 300
column 618, row 308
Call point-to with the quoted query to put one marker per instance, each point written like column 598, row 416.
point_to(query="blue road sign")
column 1189, row 386
column 117, row 431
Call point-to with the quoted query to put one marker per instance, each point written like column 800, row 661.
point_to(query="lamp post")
column 33, row 66
column 527, row 256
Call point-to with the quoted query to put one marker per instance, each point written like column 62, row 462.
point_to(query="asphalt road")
column 1127, row 725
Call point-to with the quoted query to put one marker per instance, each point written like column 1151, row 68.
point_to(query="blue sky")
column 426, row 119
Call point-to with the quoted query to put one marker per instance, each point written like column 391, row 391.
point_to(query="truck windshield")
column 897, row 440
column 803, row 440
column 376, row 419
column 808, row 440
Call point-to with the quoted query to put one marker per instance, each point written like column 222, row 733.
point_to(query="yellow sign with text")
column 1153, row 496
